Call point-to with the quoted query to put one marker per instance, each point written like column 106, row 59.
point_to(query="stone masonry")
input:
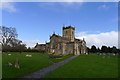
column 65, row 44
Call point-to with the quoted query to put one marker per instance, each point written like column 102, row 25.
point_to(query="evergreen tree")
column 98, row 50
column 93, row 49
column 114, row 49
column 104, row 49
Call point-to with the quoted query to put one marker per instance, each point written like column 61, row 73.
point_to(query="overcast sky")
column 97, row 22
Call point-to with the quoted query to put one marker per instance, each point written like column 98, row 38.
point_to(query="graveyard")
column 69, row 39
column 88, row 66
column 28, row 63
column 85, row 66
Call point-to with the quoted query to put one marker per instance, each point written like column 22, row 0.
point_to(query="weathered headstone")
column 113, row 54
column 28, row 55
column 17, row 63
column 9, row 54
column 8, row 64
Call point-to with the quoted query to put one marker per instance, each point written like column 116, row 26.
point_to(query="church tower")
column 68, row 32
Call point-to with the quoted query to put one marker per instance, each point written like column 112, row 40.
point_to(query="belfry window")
column 72, row 32
column 66, row 32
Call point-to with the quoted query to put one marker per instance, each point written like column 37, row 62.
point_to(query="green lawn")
column 56, row 60
column 88, row 66
column 0, row 65
column 27, row 64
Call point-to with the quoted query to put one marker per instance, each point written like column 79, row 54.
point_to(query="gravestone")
column 28, row 55
column 17, row 63
column 9, row 54
column 8, row 64
column 113, row 54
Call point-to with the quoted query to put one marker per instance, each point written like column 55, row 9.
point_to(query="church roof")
column 40, row 45
column 60, row 37
column 78, row 39
column 55, row 36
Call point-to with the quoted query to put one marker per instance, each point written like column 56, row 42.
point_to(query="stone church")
column 65, row 44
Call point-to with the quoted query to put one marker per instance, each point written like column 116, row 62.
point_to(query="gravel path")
column 41, row 73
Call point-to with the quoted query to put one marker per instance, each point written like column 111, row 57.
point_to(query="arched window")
column 72, row 33
column 66, row 32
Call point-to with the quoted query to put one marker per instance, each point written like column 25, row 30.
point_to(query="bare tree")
column 8, row 35
column 10, row 41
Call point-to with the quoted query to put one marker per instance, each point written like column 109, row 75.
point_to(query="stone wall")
column 40, row 47
column 68, row 33
column 69, row 48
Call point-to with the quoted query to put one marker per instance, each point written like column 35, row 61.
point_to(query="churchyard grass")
column 62, row 58
column 46, row 56
column 0, row 65
column 27, row 64
column 88, row 66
